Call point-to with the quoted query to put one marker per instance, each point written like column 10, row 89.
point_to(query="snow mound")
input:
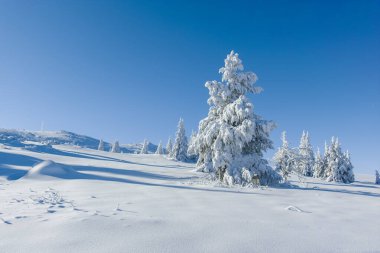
column 50, row 168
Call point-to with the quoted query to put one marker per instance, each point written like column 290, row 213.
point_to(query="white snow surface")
column 96, row 201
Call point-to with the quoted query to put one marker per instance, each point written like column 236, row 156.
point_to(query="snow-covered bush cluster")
column 231, row 140
column 333, row 166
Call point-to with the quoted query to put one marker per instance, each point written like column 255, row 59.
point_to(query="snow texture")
column 145, row 203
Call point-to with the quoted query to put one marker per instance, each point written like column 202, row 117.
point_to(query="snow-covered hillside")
column 84, row 200
column 41, row 140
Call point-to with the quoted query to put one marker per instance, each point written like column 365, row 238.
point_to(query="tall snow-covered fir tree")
column 179, row 151
column 144, row 148
column 159, row 150
column 377, row 177
column 339, row 167
column 232, row 138
column 319, row 166
column 284, row 158
column 306, row 155
column 115, row 147
column 169, row 147
column 101, row 145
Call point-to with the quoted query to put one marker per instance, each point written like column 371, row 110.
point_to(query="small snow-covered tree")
column 101, row 145
column 180, row 146
column 115, row 147
column 191, row 153
column 159, row 150
column 377, row 177
column 284, row 158
column 232, row 138
column 144, row 148
column 347, row 175
column 319, row 166
column 169, row 147
column 306, row 155
column 339, row 167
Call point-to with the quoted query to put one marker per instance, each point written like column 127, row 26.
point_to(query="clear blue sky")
column 128, row 70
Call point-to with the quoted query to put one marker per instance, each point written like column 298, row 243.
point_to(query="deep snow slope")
column 92, row 201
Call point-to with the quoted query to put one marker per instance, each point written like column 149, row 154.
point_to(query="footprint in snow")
column 295, row 209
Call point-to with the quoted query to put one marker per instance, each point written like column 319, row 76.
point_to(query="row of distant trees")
column 177, row 151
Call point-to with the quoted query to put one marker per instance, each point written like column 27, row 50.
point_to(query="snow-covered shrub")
column 179, row 151
column 159, row 150
column 306, row 156
column 144, row 148
column 232, row 136
column 115, row 147
column 339, row 167
column 101, row 145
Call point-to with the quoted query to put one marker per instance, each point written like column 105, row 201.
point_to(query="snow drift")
column 50, row 168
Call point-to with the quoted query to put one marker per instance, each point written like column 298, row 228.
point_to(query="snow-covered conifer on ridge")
column 306, row 156
column 179, row 151
column 339, row 167
column 169, row 147
column 159, row 150
column 144, row 148
column 101, row 145
column 115, row 147
column 284, row 158
column 319, row 166
column 232, row 136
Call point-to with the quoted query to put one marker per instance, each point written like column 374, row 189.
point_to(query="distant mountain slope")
column 33, row 139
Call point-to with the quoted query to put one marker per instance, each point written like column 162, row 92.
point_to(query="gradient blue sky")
column 128, row 70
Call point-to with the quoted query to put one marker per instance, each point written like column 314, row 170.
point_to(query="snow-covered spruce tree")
column 377, row 177
column 191, row 153
column 348, row 174
column 101, row 145
column 339, row 167
column 179, row 151
column 159, row 150
column 144, row 148
column 284, row 159
column 319, row 166
column 169, row 147
column 306, row 155
column 325, row 160
column 115, row 147
column 231, row 139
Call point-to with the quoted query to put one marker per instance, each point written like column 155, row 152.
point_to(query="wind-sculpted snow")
column 85, row 200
